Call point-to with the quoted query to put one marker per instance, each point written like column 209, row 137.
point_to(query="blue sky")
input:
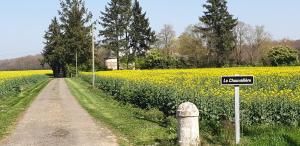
column 23, row 23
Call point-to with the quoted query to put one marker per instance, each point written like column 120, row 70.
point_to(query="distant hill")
column 31, row 62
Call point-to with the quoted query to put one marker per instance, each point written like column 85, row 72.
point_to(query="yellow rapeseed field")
column 5, row 75
column 274, row 98
column 269, row 81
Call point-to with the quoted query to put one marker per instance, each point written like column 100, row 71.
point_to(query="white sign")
column 236, row 81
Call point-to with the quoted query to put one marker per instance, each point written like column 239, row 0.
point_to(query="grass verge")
column 132, row 125
column 272, row 136
column 13, row 105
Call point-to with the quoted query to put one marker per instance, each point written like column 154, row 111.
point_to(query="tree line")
column 125, row 34
column 253, row 47
column 31, row 62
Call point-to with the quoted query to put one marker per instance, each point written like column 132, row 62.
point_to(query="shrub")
column 155, row 59
column 283, row 56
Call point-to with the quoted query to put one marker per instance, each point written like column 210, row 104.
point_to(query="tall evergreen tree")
column 218, row 29
column 115, row 21
column 75, row 19
column 141, row 34
column 54, row 49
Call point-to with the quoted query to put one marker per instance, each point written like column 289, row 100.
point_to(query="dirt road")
column 56, row 119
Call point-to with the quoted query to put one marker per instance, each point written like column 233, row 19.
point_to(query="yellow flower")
column 5, row 75
column 270, row 82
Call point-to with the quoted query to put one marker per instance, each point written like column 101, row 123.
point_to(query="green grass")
column 132, row 125
column 13, row 105
column 258, row 135
column 272, row 136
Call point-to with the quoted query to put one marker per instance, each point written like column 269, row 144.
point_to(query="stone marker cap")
column 187, row 109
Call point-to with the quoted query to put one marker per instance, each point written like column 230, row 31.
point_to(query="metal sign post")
column 237, row 113
column 236, row 81
column 93, row 57
column 76, row 59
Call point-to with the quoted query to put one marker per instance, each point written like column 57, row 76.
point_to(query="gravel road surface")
column 55, row 118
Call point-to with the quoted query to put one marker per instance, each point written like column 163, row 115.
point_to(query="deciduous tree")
column 165, row 36
column 241, row 32
column 191, row 48
column 258, row 42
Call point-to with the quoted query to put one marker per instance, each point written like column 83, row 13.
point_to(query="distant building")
column 111, row 64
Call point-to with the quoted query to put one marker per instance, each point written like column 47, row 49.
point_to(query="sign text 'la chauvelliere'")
column 237, row 80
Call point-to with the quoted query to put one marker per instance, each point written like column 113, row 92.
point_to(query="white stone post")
column 188, row 124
